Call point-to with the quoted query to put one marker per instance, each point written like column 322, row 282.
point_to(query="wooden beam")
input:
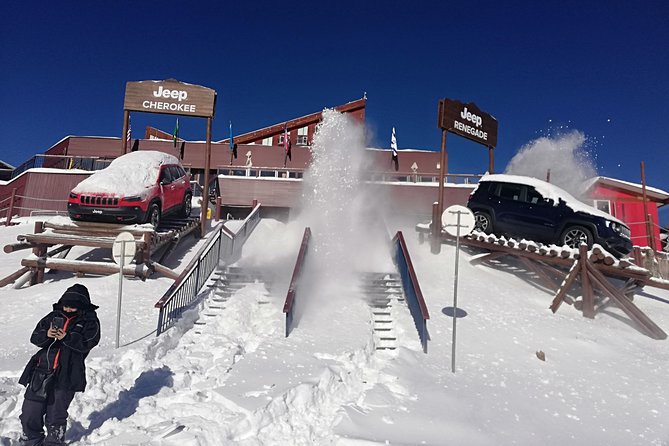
column 13, row 276
column 539, row 271
column 78, row 266
column 13, row 247
column 632, row 311
column 55, row 239
column 588, row 298
column 564, row 287
column 165, row 271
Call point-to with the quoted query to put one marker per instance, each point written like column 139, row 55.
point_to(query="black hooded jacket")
column 81, row 335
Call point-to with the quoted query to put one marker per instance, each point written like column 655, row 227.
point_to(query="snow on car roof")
column 129, row 174
column 550, row 191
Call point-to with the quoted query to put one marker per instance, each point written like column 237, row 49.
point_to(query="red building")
column 625, row 201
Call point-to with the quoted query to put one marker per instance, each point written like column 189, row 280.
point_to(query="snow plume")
column 336, row 203
column 564, row 155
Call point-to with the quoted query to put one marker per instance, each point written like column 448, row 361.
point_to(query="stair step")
column 382, row 329
column 388, row 339
column 386, row 348
column 383, row 322
column 381, row 313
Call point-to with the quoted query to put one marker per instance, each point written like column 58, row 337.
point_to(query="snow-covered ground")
column 238, row 379
column 229, row 376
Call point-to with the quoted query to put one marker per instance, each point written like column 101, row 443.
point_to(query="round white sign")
column 124, row 238
column 449, row 220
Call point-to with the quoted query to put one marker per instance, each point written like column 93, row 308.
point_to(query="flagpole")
column 285, row 145
column 126, row 117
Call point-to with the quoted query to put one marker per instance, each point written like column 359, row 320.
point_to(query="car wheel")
column 573, row 236
column 153, row 216
column 483, row 222
column 186, row 208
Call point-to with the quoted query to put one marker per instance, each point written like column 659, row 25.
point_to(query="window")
column 165, row 176
column 534, row 197
column 303, row 136
column 174, row 171
column 510, row 191
column 603, row 205
column 281, row 139
column 267, row 141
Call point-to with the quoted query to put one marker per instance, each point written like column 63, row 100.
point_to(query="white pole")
column 120, row 293
column 455, row 290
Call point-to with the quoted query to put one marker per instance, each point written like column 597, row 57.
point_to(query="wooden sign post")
column 173, row 98
column 468, row 121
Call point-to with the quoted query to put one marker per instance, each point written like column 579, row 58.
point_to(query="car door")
column 510, row 209
column 166, row 188
column 542, row 216
column 180, row 182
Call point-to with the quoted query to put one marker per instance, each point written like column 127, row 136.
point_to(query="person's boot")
column 55, row 435
column 24, row 440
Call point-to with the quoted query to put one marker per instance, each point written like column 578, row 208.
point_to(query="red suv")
column 138, row 187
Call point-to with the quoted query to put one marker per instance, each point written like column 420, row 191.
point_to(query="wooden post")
column 438, row 209
column 435, row 239
column 205, row 187
column 39, row 251
column 217, row 213
column 650, row 236
column 491, row 160
column 10, row 210
column 146, row 252
column 588, row 299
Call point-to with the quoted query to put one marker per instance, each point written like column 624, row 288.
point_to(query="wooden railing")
column 412, row 291
column 223, row 246
column 289, row 305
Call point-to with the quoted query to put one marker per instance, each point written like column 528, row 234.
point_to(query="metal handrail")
column 183, row 294
column 412, row 291
column 289, row 304
column 68, row 160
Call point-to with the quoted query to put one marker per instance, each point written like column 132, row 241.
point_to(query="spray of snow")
column 564, row 157
column 337, row 205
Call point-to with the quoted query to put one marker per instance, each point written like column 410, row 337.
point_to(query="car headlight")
column 73, row 195
column 133, row 198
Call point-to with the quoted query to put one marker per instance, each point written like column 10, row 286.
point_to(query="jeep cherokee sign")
column 170, row 97
column 468, row 121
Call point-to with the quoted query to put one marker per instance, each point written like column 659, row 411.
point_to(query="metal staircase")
column 226, row 282
column 383, row 292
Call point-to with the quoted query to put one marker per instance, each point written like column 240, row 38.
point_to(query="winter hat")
column 76, row 296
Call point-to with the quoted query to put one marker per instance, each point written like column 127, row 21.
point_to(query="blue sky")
column 538, row 67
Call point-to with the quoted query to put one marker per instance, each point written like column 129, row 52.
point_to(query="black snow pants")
column 53, row 413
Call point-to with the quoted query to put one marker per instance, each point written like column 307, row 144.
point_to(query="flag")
column 286, row 141
column 233, row 146
column 128, row 134
column 175, row 135
column 393, row 147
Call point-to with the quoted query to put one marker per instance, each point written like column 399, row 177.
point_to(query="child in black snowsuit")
column 57, row 371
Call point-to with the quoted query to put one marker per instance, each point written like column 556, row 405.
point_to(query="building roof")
column 4, row 165
column 653, row 193
column 275, row 129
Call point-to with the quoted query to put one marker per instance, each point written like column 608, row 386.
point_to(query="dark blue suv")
column 519, row 206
